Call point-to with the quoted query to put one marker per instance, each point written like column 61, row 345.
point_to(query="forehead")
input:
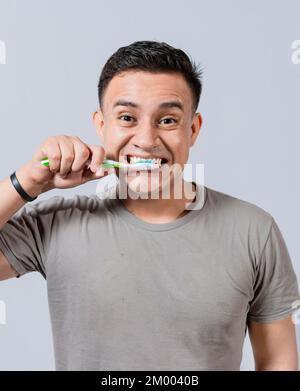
column 147, row 89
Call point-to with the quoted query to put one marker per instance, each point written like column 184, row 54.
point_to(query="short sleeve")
column 276, row 287
column 23, row 239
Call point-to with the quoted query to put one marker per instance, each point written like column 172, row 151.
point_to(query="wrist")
column 32, row 188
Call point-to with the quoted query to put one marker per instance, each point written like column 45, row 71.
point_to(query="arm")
column 68, row 157
column 6, row 271
column 11, row 202
column 274, row 345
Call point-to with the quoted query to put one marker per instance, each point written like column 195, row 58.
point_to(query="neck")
column 159, row 211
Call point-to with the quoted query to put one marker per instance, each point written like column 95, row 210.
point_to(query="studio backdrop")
column 51, row 55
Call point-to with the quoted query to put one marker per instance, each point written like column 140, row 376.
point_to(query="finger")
column 82, row 154
column 88, row 175
column 67, row 155
column 97, row 157
column 51, row 150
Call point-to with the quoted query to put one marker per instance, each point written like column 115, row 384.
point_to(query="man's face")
column 147, row 115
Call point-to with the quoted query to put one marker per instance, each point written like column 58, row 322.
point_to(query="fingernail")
column 99, row 171
column 95, row 167
column 92, row 167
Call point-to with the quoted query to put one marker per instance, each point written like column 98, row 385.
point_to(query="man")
column 146, row 283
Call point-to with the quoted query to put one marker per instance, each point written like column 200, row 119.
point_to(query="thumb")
column 88, row 175
column 102, row 171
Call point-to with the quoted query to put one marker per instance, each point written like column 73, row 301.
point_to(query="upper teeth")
column 136, row 159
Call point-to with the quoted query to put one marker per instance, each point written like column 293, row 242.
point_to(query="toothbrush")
column 145, row 164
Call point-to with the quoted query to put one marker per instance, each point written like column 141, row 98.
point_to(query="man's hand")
column 274, row 345
column 72, row 163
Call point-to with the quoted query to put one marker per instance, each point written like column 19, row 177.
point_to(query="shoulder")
column 241, row 213
column 58, row 203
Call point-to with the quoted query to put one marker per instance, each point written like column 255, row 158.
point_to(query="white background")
column 249, row 142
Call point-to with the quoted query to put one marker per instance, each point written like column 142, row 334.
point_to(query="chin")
column 145, row 184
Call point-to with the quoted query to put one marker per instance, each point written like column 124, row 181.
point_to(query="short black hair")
column 152, row 56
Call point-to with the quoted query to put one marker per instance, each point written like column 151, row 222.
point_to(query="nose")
column 146, row 137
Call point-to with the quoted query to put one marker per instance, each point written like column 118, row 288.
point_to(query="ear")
column 98, row 121
column 195, row 128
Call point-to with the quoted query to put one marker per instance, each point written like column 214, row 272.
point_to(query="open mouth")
column 157, row 161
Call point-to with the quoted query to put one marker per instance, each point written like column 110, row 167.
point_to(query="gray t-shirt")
column 125, row 294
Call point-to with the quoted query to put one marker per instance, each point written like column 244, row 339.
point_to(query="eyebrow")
column 163, row 105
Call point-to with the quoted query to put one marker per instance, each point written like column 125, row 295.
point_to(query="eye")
column 168, row 119
column 126, row 118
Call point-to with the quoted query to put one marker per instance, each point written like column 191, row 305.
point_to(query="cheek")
column 114, row 138
column 179, row 146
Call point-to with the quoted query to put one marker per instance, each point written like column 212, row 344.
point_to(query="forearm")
column 274, row 345
column 11, row 201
